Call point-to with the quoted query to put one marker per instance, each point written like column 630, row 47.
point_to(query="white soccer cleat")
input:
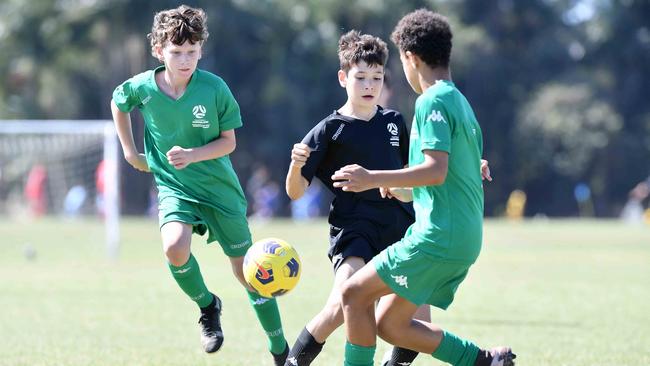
column 502, row 356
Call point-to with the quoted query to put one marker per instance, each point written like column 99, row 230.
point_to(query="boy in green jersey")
column 445, row 171
column 361, row 224
column 190, row 116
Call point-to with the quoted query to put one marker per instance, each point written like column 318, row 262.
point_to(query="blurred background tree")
column 558, row 86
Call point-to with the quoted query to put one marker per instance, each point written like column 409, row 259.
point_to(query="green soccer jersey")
column 449, row 217
column 198, row 117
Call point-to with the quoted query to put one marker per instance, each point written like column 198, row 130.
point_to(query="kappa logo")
column 337, row 257
column 436, row 116
column 261, row 300
column 182, row 270
column 392, row 128
column 292, row 361
column 199, row 297
column 401, row 280
column 199, row 111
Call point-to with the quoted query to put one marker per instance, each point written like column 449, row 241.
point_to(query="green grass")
column 559, row 292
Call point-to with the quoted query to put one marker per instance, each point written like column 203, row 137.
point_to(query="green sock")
column 358, row 355
column 269, row 316
column 456, row 351
column 188, row 276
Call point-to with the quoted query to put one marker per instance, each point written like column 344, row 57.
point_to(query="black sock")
column 484, row 358
column 210, row 308
column 280, row 359
column 305, row 350
column 401, row 357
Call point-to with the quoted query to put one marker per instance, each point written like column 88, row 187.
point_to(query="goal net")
column 61, row 168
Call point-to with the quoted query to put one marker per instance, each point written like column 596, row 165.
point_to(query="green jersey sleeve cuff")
column 124, row 107
column 231, row 125
column 436, row 145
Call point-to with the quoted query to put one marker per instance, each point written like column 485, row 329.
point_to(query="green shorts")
column 419, row 277
column 231, row 232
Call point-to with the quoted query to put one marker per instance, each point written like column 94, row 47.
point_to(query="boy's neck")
column 358, row 112
column 171, row 86
column 429, row 76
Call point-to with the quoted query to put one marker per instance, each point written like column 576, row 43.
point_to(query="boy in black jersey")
column 361, row 224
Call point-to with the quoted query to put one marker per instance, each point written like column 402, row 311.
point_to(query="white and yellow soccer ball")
column 272, row 267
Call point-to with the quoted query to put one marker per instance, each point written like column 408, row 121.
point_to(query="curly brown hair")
column 355, row 47
column 426, row 34
column 177, row 26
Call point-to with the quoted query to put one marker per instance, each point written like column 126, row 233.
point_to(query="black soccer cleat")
column 210, row 322
column 279, row 360
column 502, row 356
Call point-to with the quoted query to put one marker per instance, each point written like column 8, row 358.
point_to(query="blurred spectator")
column 266, row 200
column 74, row 200
column 264, row 192
column 516, row 205
column 100, row 181
column 582, row 194
column 152, row 208
column 36, row 190
column 309, row 205
column 633, row 211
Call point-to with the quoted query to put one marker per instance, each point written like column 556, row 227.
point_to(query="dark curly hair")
column 355, row 47
column 426, row 34
column 177, row 26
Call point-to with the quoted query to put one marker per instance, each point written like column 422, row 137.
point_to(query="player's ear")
column 412, row 58
column 159, row 53
column 343, row 78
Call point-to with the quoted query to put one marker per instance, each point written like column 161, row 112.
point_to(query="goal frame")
column 110, row 156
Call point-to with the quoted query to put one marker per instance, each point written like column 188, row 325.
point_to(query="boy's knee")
column 352, row 295
column 177, row 253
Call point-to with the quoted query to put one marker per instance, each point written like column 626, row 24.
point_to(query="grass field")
column 559, row 292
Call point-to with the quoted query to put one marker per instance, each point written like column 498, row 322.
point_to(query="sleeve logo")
column 436, row 116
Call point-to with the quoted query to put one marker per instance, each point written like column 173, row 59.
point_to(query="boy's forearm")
column 416, row 176
column 214, row 149
column 295, row 184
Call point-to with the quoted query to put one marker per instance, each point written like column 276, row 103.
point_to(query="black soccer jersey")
column 378, row 144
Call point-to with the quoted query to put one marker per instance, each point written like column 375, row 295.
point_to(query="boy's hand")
column 385, row 192
column 485, row 170
column 401, row 194
column 353, row 178
column 179, row 157
column 299, row 155
column 138, row 161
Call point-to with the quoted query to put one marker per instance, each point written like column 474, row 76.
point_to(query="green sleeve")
column 435, row 129
column 125, row 96
column 227, row 109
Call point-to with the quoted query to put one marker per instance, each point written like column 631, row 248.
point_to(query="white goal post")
column 70, row 151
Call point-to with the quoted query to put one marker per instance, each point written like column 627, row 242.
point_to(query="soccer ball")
column 272, row 267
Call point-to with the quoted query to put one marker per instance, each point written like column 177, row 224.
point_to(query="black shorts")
column 365, row 237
